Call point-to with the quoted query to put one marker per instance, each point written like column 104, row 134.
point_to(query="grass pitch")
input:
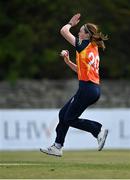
column 107, row 164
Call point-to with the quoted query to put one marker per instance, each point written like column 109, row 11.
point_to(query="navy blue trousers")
column 88, row 93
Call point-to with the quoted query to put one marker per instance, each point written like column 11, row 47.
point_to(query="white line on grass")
column 19, row 164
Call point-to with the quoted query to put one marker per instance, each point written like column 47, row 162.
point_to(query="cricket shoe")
column 53, row 150
column 102, row 138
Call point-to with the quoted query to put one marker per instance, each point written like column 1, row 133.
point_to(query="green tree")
column 30, row 41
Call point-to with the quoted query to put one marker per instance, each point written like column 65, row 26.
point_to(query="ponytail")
column 95, row 36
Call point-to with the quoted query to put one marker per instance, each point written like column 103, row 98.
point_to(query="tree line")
column 30, row 40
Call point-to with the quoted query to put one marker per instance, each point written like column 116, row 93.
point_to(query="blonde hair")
column 95, row 36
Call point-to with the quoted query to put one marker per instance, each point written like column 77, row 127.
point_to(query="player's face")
column 82, row 34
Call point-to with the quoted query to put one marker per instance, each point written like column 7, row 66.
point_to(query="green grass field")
column 107, row 164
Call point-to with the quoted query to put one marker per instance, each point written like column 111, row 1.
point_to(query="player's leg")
column 87, row 94
column 62, row 127
column 61, row 131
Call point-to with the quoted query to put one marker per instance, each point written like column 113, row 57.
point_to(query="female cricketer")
column 87, row 43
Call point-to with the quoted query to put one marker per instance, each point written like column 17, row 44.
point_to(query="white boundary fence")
column 35, row 128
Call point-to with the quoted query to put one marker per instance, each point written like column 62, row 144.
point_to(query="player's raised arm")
column 65, row 30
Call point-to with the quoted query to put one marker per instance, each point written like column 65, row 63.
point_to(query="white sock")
column 58, row 145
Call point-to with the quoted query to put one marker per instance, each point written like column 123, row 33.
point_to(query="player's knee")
column 67, row 119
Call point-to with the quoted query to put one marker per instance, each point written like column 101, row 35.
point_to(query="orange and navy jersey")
column 87, row 60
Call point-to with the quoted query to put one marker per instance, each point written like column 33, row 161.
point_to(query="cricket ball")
column 64, row 53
